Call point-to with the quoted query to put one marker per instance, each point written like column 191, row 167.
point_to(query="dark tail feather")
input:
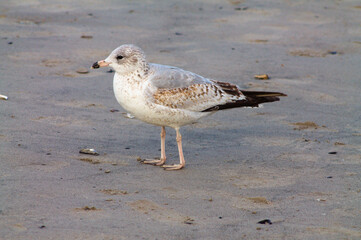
column 263, row 94
column 253, row 99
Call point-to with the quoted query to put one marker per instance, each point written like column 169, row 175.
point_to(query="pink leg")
column 182, row 162
column 162, row 159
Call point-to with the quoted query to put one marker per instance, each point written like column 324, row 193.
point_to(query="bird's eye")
column 119, row 57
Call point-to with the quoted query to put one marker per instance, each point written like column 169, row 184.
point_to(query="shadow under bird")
column 168, row 96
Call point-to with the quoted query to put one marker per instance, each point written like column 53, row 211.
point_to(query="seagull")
column 168, row 96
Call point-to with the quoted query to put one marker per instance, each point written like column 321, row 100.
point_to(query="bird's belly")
column 153, row 113
column 132, row 98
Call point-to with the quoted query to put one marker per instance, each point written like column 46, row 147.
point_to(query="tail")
column 253, row 99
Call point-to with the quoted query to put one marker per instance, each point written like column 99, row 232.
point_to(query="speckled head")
column 125, row 59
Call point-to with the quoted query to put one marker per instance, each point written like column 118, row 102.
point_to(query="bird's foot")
column 173, row 167
column 155, row 162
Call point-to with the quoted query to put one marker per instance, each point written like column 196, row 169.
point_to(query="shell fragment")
column 3, row 97
column 90, row 151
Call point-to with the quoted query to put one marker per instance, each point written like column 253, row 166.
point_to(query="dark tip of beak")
column 95, row 65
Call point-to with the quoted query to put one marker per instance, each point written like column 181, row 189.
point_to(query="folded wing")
column 176, row 88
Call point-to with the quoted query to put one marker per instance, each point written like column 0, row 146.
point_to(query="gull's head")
column 125, row 59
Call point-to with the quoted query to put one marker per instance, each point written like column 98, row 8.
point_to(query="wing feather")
column 168, row 77
column 176, row 88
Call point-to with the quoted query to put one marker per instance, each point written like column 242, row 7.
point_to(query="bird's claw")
column 154, row 162
column 172, row 167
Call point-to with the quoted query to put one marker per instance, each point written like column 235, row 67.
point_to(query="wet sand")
column 296, row 162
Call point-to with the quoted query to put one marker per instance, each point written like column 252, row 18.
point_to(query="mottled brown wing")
column 196, row 97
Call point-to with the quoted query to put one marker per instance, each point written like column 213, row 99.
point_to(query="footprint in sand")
column 159, row 213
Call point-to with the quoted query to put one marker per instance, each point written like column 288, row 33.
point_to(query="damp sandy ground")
column 296, row 162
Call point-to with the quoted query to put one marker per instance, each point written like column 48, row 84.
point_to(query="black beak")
column 95, row 65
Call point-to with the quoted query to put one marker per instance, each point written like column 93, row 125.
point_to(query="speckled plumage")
column 169, row 96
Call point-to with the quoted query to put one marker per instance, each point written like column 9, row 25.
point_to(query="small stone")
column 241, row 8
column 90, row 151
column 265, row 221
column 332, row 52
column 261, row 77
column 128, row 115
column 107, row 171
column 86, row 208
column 86, row 36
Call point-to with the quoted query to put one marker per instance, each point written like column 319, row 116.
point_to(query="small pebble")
column 241, row 8
column 261, row 77
column 87, row 36
column 107, row 171
column 128, row 115
column 90, row 151
column 265, row 221
column 10, row 43
column 332, row 52
column 178, row 34
column 86, row 208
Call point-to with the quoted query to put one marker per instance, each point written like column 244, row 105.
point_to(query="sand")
column 296, row 162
